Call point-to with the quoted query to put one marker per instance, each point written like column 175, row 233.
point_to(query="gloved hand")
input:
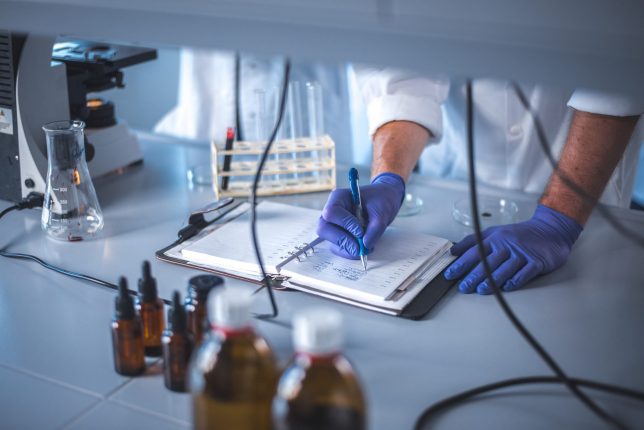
column 516, row 252
column 381, row 201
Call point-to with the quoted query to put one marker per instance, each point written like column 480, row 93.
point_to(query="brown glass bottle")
column 177, row 347
column 127, row 335
column 150, row 309
column 198, row 289
column 234, row 375
column 319, row 389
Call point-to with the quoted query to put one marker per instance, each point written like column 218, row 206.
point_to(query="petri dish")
column 492, row 211
column 200, row 174
column 412, row 205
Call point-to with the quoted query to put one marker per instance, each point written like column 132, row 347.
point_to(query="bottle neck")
column 317, row 358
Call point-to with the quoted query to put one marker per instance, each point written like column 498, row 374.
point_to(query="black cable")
column 9, row 209
column 561, row 378
column 543, row 142
column 497, row 292
column 253, row 193
column 70, row 273
column 487, row 388
column 57, row 269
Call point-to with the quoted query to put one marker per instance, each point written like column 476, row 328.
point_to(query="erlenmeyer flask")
column 71, row 211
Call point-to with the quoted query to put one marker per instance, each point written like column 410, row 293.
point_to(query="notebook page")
column 387, row 306
column 398, row 255
column 280, row 229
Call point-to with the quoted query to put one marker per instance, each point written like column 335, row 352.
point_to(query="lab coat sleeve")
column 398, row 95
column 605, row 103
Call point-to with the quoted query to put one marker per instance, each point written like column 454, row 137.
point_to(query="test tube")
column 294, row 111
column 261, row 120
column 315, row 109
column 265, row 121
column 315, row 118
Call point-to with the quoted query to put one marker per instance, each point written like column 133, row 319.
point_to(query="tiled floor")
column 49, row 405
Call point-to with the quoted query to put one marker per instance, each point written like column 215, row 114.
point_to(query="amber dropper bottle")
column 233, row 376
column 150, row 308
column 198, row 289
column 127, row 335
column 319, row 389
column 178, row 344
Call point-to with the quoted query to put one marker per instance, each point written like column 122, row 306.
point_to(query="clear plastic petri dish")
column 492, row 211
column 412, row 205
column 200, row 174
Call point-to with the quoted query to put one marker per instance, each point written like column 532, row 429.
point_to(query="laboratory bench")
column 56, row 369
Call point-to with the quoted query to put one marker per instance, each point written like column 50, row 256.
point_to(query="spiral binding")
column 300, row 252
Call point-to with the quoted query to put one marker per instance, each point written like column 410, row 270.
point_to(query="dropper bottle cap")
column 123, row 303
column 230, row 309
column 199, row 286
column 147, row 284
column 177, row 314
column 318, row 331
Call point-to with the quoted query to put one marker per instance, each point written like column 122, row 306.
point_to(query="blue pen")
column 358, row 212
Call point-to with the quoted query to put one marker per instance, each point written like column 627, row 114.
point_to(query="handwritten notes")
column 398, row 255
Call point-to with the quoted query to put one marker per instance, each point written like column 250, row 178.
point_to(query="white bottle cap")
column 229, row 308
column 318, row 331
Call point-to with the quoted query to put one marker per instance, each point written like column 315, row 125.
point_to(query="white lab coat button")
column 516, row 130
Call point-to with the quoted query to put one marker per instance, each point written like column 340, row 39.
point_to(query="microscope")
column 45, row 79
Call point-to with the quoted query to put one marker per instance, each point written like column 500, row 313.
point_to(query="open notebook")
column 402, row 265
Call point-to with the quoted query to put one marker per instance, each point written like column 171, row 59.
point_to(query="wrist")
column 562, row 199
column 397, row 145
column 394, row 180
column 568, row 227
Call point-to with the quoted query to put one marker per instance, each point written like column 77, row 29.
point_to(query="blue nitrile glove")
column 380, row 200
column 516, row 252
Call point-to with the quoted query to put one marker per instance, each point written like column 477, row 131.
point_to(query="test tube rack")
column 294, row 166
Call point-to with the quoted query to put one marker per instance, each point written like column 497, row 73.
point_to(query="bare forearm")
column 594, row 146
column 397, row 146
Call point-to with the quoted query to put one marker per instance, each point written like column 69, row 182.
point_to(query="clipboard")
column 208, row 219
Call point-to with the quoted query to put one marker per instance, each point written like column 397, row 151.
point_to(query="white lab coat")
column 508, row 154
column 206, row 101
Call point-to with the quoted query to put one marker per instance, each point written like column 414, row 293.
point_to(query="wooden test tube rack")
column 294, row 166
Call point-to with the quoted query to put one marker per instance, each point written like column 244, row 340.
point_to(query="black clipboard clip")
column 197, row 220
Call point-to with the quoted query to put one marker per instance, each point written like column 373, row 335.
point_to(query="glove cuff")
column 392, row 179
column 568, row 227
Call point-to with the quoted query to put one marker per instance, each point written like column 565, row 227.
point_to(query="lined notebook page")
column 398, row 255
column 280, row 228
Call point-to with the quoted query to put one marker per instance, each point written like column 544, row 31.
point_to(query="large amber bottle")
column 233, row 376
column 319, row 389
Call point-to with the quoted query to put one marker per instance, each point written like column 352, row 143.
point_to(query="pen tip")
column 364, row 262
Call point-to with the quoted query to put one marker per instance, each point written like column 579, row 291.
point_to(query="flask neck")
column 65, row 144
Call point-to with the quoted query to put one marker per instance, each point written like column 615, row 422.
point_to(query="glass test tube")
column 294, row 105
column 315, row 118
column 265, row 121
column 315, row 109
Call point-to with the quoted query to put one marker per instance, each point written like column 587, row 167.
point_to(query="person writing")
column 593, row 133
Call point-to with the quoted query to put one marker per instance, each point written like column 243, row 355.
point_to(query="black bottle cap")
column 199, row 286
column 177, row 314
column 123, row 303
column 148, row 285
